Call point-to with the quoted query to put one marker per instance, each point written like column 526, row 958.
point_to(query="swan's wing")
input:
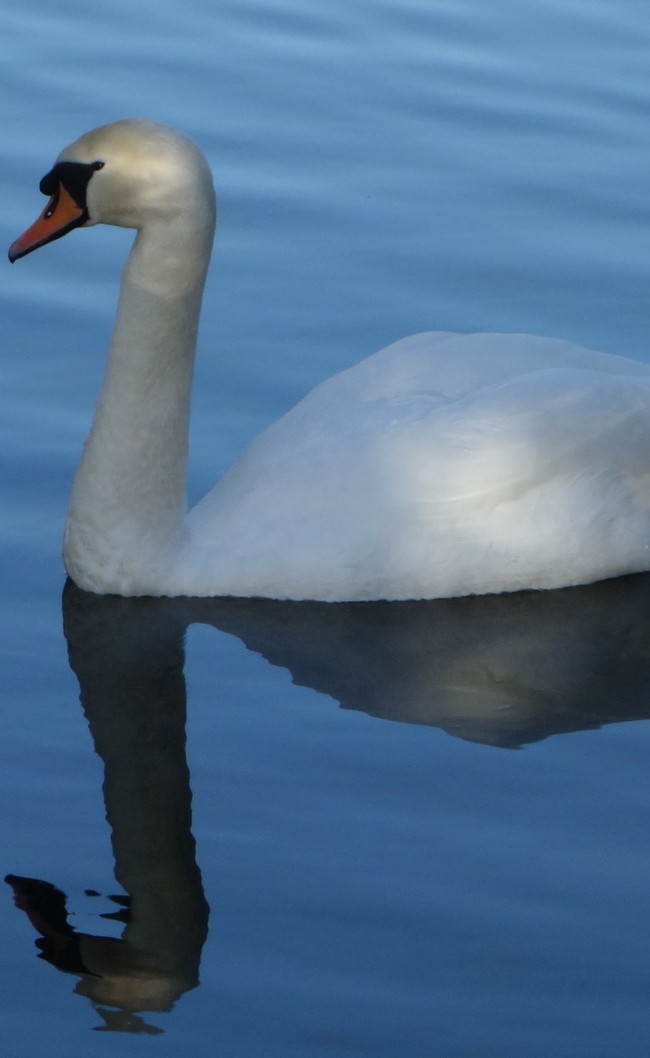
column 538, row 479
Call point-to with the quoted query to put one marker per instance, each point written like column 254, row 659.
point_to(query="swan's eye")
column 52, row 206
column 98, row 165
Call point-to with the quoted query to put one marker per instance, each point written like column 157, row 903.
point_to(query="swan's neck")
column 125, row 520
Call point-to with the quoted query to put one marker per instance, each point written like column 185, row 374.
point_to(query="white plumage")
column 443, row 465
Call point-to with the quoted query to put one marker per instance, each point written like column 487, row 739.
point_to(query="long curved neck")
column 129, row 497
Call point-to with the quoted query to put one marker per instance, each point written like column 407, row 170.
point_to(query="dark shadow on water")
column 499, row 670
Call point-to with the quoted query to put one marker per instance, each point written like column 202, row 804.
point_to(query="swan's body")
column 443, row 465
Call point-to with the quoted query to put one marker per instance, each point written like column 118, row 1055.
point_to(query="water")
column 390, row 877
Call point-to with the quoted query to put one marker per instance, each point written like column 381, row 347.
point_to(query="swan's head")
column 127, row 173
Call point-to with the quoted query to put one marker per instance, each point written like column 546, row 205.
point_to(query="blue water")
column 415, row 830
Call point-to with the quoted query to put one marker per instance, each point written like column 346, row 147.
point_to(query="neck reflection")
column 128, row 657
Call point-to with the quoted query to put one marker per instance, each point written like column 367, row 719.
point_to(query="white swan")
column 443, row 465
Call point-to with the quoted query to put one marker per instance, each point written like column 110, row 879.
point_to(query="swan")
column 444, row 465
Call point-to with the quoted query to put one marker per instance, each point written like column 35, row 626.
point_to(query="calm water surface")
column 268, row 829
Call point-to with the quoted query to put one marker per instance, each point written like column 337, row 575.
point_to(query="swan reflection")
column 499, row 670
column 502, row 670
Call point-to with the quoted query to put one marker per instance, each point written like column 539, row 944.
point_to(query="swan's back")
column 443, row 465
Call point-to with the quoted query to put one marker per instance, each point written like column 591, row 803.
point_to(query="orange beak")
column 60, row 216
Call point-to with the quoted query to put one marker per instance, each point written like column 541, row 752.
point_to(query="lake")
column 271, row 830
